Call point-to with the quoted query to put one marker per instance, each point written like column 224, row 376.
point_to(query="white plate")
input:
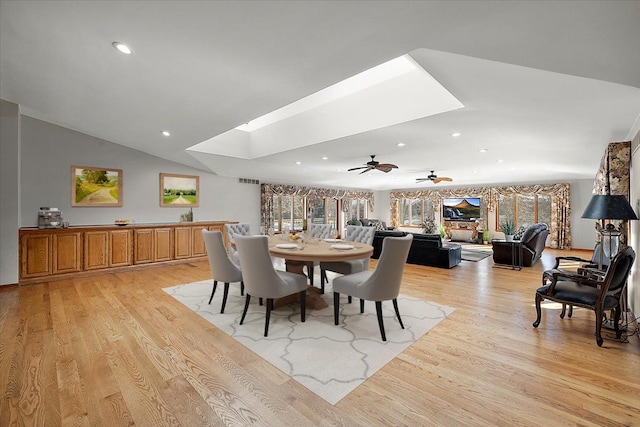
column 333, row 240
column 287, row 246
column 342, row 247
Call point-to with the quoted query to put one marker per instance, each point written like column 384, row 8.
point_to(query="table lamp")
column 610, row 207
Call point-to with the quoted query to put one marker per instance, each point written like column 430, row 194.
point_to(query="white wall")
column 633, row 290
column 9, row 191
column 44, row 157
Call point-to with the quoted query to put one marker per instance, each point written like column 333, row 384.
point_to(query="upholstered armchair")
column 317, row 231
column 231, row 230
column 595, row 292
column 533, row 242
column 222, row 268
column 355, row 233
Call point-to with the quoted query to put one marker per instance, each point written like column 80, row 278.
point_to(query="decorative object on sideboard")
column 187, row 216
column 609, row 207
column 49, row 218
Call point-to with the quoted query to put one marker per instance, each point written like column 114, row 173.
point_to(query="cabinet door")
column 198, row 248
column 183, row 242
column 164, row 244
column 36, row 255
column 144, row 246
column 96, row 248
column 121, row 242
column 67, row 252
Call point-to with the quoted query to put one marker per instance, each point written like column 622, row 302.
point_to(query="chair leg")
column 246, row 306
column 260, row 300
column 380, row 321
column 538, row 310
column 395, row 307
column 616, row 320
column 336, row 307
column 570, row 311
column 310, row 273
column 323, row 279
column 224, row 296
column 349, row 299
column 213, row 291
column 268, row 316
column 303, row 305
column 599, row 326
column 242, row 288
column 564, row 310
column 361, row 306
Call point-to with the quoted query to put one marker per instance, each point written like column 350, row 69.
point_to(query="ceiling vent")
column 248, row 181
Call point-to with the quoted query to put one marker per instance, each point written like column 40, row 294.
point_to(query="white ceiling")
column 545, row 85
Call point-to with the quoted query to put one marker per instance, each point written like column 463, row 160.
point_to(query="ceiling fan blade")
column 366, row 170
column 422, row 179
column 386, row 166
column 361, row 167
column 444, row 178
column 384, row 169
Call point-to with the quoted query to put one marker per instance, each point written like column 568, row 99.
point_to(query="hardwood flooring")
column 116, row 350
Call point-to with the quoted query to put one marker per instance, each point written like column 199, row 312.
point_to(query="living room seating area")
column 426, row 249
column 532, row 242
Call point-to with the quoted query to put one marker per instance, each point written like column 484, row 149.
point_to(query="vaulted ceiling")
column 544, row 86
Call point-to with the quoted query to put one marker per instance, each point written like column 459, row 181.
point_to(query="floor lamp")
column 609, row 207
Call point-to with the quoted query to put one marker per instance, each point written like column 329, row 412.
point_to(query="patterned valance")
column 560, row 204
column 267, row 191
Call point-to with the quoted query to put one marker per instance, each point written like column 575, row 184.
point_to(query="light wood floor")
column 116, row 350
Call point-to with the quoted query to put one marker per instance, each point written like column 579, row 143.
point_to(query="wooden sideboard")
column 60, row 253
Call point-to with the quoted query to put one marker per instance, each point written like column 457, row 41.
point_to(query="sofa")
column 426, row 249
column 533, row 242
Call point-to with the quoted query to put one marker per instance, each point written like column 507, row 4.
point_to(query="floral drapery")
column 560, row 204
column 267, row 191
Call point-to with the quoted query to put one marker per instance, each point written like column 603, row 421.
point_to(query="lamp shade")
column 608, row 206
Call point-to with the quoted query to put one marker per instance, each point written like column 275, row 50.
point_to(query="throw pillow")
column 518, row 234
column 379, row 226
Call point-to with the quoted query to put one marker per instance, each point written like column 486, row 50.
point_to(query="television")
column 464, row 209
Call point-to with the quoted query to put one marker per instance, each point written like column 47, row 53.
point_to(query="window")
column 524, row 209
column 414, row 211
column 358, row 209
column 288, row 212
column 325, row 211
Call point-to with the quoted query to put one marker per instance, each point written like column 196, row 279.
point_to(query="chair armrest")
column 574, row 277
column 570, row 258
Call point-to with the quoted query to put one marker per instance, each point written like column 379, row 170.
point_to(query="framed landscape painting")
column 96, row 187
column 179, row 190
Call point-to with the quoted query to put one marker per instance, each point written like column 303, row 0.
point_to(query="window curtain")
column 560, row 204
column 614, row 177
column 267, row 191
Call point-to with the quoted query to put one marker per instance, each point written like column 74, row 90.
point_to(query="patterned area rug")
column 329, row 360
column 475, row 252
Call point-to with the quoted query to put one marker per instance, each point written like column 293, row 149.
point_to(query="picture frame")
column 96, row 186
column 179, row 191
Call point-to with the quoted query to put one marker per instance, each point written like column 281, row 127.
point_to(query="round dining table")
column 298, row 253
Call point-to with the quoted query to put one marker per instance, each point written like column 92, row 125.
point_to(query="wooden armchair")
column 595, row 292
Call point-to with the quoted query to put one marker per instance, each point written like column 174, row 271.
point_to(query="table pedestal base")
column 314, row 300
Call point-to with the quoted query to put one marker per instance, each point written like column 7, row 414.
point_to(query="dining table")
column 297, row 253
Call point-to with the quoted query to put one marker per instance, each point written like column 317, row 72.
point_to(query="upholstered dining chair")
column 222, row 268
column 355, row 233
column 317, row 231
column 262, row 280
column 232, row 230
column 595, row 292
column 381, row 284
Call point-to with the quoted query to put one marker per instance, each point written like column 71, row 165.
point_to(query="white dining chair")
column 381, row 284
column 222, row 268
column 232, row 230
column 262, row 280
column 317, row 231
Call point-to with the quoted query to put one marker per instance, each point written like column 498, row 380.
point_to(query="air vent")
column 248, row 181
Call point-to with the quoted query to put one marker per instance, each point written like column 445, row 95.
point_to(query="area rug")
column 471, row 255
column 329, row 360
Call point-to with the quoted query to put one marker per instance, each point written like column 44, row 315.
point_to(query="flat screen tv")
column 465, row 209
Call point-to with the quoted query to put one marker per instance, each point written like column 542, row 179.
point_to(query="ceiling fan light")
column 122, row 48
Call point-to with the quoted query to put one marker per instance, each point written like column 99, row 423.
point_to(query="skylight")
column 366, row 79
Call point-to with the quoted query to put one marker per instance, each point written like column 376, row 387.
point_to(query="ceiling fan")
column 433, row 177
column 373, row 164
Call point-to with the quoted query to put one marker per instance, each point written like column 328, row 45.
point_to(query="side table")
column 516, row 254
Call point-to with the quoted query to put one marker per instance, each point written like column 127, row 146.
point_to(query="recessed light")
column 122, row 48
column 298, row 163
column 325, row 158
column 500, row 161
column 456, row 134
column 400, row 144
column 482, row 150
column 166, row 133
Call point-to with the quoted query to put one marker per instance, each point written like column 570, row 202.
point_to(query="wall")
column 9, row 191
column 633, row 290
column 46, row 154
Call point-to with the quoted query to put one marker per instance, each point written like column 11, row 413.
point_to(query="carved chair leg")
column 564, row 310
column 215, row 285
column 538, row 310
column 570, row 311
column 616, row 320
column 599, row 315
column 380, row 320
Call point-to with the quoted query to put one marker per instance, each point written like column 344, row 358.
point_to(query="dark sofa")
column 533, row 242
column 426, row 249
